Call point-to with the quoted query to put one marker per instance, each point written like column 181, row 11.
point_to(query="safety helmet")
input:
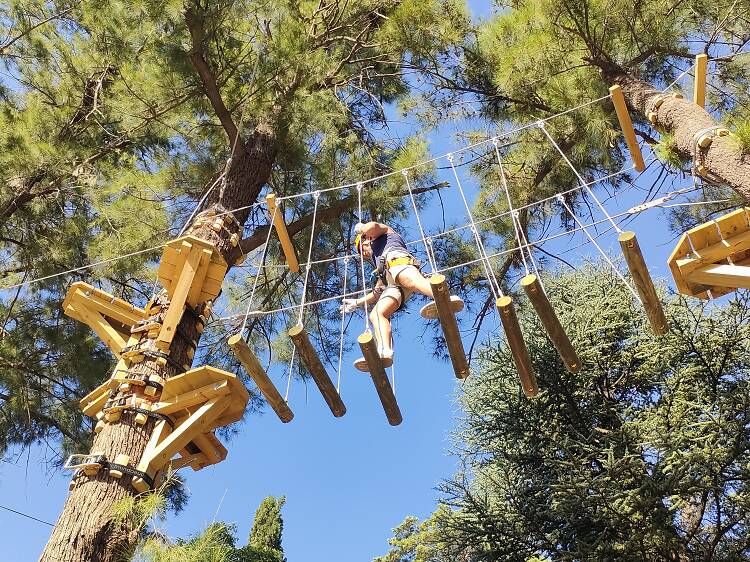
column 357, row 243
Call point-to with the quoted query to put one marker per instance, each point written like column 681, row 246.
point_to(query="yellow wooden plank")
column 618, row 100
column 103, row 329
column 281, row 231
column 147, row 464
column 191, row 398
column 177, row 303
column 731, row 276
column 195, row 424
column 200, row 275
column 699, row 89
column 214, row 451
column 104, row 303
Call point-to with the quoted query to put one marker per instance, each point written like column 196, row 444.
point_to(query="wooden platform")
column 209, row 266
column 110, row 317
column 714, row 256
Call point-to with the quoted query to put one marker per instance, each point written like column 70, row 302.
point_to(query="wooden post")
column 517, row 345
column 311, row 360
column 280, row 226
column 382, row 384
column 699, row 88
column 643, row 284
column 259, row 375
column 549, row 319
column 627, row 127
column 450, row 327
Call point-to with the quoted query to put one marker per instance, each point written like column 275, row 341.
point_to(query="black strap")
column 151, row 414
column 130, row 471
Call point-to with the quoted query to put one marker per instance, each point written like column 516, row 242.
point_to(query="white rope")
column 316, row 195
column 462, row 149
column 491, row 279
column 562, row 201
column 341, row 338
column 433, row 266
column 362, row 260
column 529, row 250
column 257, row 275
column 504, row 181
column 580, row 178
column 289, row 375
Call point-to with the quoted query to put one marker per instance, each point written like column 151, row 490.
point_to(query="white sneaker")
column 429, row 311
column 386, row 357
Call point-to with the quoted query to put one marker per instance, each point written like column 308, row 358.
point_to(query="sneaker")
column 386, row 357
column 429, row 311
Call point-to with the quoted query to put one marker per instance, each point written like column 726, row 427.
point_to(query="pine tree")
column 121, row 117
column 642, row 455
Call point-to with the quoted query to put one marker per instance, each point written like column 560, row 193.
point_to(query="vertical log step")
column 382, row 384
column 517, row 345
column 699, row 88
column 643, row 284
column 253, row 367
column 551, row 323
column 280, row 226
column 450, row 327
column 311, row 360
column 618, row 100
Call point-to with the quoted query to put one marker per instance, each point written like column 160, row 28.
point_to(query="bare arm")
column 374, row 229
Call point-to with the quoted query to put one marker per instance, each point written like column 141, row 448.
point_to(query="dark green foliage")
column 642, row 455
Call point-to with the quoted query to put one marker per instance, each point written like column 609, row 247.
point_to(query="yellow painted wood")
column 200, row 275
column 699, row 89
column 94, row 400
column 618, row 100
column 172, row 262
column 517, row 345
column 441, row 295
column 252, row 365
column 102, row 302
column 551, row 323
column 735, row 276
column 198, row 422
column 379, row 378
column 312, row 362
column 192, row 398
column 643, row 283
column 210, row 447
column 196, row 460
column 283, row 234
column 179, row 297
column 111, row 337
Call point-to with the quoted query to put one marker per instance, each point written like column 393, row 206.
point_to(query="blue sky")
column 348, row 481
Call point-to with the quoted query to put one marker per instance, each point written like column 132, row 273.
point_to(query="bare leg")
column 411, row 278
column 380, row 316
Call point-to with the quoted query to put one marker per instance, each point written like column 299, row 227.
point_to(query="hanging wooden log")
column 255, row 370
column 517, row 345
column 699, row 88
column 551, row 323
column 643, row 283
column 313, row 364
column 281, row 231
column 447, row 317
column 618, row 100
column 379, row 378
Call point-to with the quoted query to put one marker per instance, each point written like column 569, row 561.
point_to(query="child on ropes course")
column 398, row 276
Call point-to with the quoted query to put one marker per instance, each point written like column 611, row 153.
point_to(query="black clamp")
column 149, row 413
column 130, row 471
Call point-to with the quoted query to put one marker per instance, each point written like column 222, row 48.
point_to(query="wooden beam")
column 447, row 317
column 517, row 345
column 179, row 297
column 379, row 378
column 252, row 365
column 618, row 100
column 281, row 231
column 699, row 88
column 192, row 398
column 197, row 460
column 193, row 297
column 733, row 276
column 198, row 422
column 311, row 360
column 211, row 448
column 551, row 323
column 643, row 283
column 94, row 320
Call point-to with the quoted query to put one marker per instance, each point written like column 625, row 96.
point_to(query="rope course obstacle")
column 186, row 408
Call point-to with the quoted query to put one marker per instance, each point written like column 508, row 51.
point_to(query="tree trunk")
column 723, row 159
column 86, row 529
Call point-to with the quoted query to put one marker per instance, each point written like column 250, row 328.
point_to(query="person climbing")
column 398, row 276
